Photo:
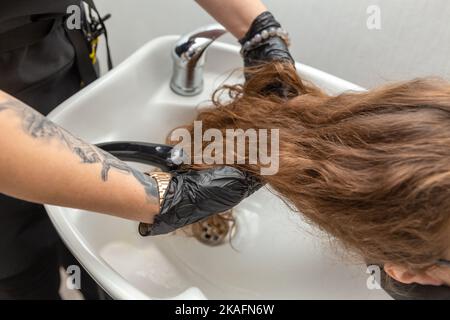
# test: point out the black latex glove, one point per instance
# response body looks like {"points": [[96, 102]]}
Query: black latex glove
{"points": [[195, 195], [268, 50], [190, 196], [273, 48]]}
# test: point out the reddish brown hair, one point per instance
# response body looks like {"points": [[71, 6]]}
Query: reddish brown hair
{"points": [[370, 168]]}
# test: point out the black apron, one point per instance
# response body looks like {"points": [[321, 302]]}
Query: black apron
{"points": [[42, 71]]}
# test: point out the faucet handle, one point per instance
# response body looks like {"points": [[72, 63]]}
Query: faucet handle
{"points": [[192, 45], [189, 60]]}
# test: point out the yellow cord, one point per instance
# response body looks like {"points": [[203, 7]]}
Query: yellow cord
{"points": [[93, 54]]}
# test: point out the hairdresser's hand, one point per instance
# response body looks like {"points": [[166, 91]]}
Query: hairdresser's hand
{"points": [[194, 195], [265, 41]]}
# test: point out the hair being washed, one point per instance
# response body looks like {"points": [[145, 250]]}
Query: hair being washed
{"points": [[370, 168]]}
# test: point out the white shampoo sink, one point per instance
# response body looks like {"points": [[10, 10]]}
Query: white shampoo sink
{"points": [[273, 255]]}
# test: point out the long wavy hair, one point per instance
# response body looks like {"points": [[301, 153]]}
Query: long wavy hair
{"points": [[371, 168]]}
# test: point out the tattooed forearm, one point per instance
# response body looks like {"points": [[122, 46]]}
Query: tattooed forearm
{"points": [[39, 127]]}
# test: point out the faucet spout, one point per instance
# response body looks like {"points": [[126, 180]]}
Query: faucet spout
{"points": [[189, 59]]}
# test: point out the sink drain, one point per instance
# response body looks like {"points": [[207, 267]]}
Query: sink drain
{"points": [[213, 231]]}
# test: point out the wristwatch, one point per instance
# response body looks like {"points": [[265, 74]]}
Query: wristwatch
{"points": [[162, 181]]}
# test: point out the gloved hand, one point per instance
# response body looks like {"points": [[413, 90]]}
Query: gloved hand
{"points": [[269, 42], [265, 42], [191, 195], [194, 195]]}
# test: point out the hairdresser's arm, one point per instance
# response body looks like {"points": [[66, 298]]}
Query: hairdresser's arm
{"points": [[41, 162], [262, 38], [235, 15]]}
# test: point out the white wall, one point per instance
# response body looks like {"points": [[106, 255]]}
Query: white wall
{"points": [[331, 35]]}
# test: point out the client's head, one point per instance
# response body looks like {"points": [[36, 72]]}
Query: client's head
{"points": [[371, 168]]}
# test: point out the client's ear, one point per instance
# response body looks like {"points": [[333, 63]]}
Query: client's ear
{"points": [[406, 276]]}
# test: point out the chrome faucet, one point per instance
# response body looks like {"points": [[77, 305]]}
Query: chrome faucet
{"points": [[189, 59]]}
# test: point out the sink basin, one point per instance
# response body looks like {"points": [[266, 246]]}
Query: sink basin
{"points": [[273, 254]]}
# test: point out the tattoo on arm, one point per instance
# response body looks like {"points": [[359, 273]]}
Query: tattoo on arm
{"points": [[39, 127]]}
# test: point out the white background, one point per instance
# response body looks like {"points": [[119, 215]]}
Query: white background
{"points": [[330, 35]]}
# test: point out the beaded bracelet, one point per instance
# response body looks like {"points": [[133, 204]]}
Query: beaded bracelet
{"points": [[264, 35]]}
